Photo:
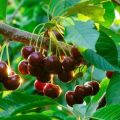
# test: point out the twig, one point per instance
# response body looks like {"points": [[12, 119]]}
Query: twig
{"points": [[24, 37]]}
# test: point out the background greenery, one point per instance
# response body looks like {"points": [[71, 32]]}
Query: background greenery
{"points": [[93, 25]]}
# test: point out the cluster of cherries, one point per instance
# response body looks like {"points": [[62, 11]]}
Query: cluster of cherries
{"points": [[11, 81], [81, 91], [44, 67]]}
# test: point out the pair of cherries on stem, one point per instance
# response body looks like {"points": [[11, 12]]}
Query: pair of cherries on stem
{"points": [[81, 91], [48, 89], [10, 81]]}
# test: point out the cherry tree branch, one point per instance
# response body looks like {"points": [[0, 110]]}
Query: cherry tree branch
{"points": [[24, 37]]}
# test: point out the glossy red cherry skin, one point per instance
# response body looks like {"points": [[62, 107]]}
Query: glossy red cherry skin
{"points": [[80, 93], [39, 86], [70, 98], [36, 59], [65, 76], [75, 53], [27, 50], [69, 64], [51, 90], [12, 83], [23, 67], [44, 76], [52, 64], [88, 90], [35, 70], [95, 86], [58, 35], [109, 74], [3, 71]]}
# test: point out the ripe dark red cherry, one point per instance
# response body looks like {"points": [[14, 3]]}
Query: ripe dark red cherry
{"points": [[52, 64], [88, 90], [70, 98], [23, 67], [12, 83], [36, 59], [39, 86], [27, 50], [65, 76], [35, 70], [58, 35], [75, 53], [3, 71], [44, 76], [68, 64], [79, 93], [51, 90], [95, 86], [109, 74]]}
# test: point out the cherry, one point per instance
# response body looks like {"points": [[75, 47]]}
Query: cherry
{"points": [[65, 76], [52, 64], [75, 53], [36, 59], [51, 90], [109, 74], [94, 85], [27, 50], [39, 86], [80, 93], [70, 98], [58, 35], [12, 83], [3, 71], [23, 67], [68, 64], [34, 70], [43, 76], [88, 90]]}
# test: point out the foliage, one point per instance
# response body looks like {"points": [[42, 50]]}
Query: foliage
{"points": [[93, 27]]}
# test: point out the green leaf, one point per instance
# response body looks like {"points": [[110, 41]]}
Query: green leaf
{"points": [[28, 117], [17, 102], [58, 7], [113, 91], [109, 15], [115, 37], [111, 112], [106, 47], [98, 61], [3, 6], [82, 34], [92, 11]]}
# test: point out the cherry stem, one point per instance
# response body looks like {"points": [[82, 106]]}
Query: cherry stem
{"points": [[7, 52], [34, 32], [52, 79], [2, 50], [92, 71], [50, 49], [39, 33]]}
